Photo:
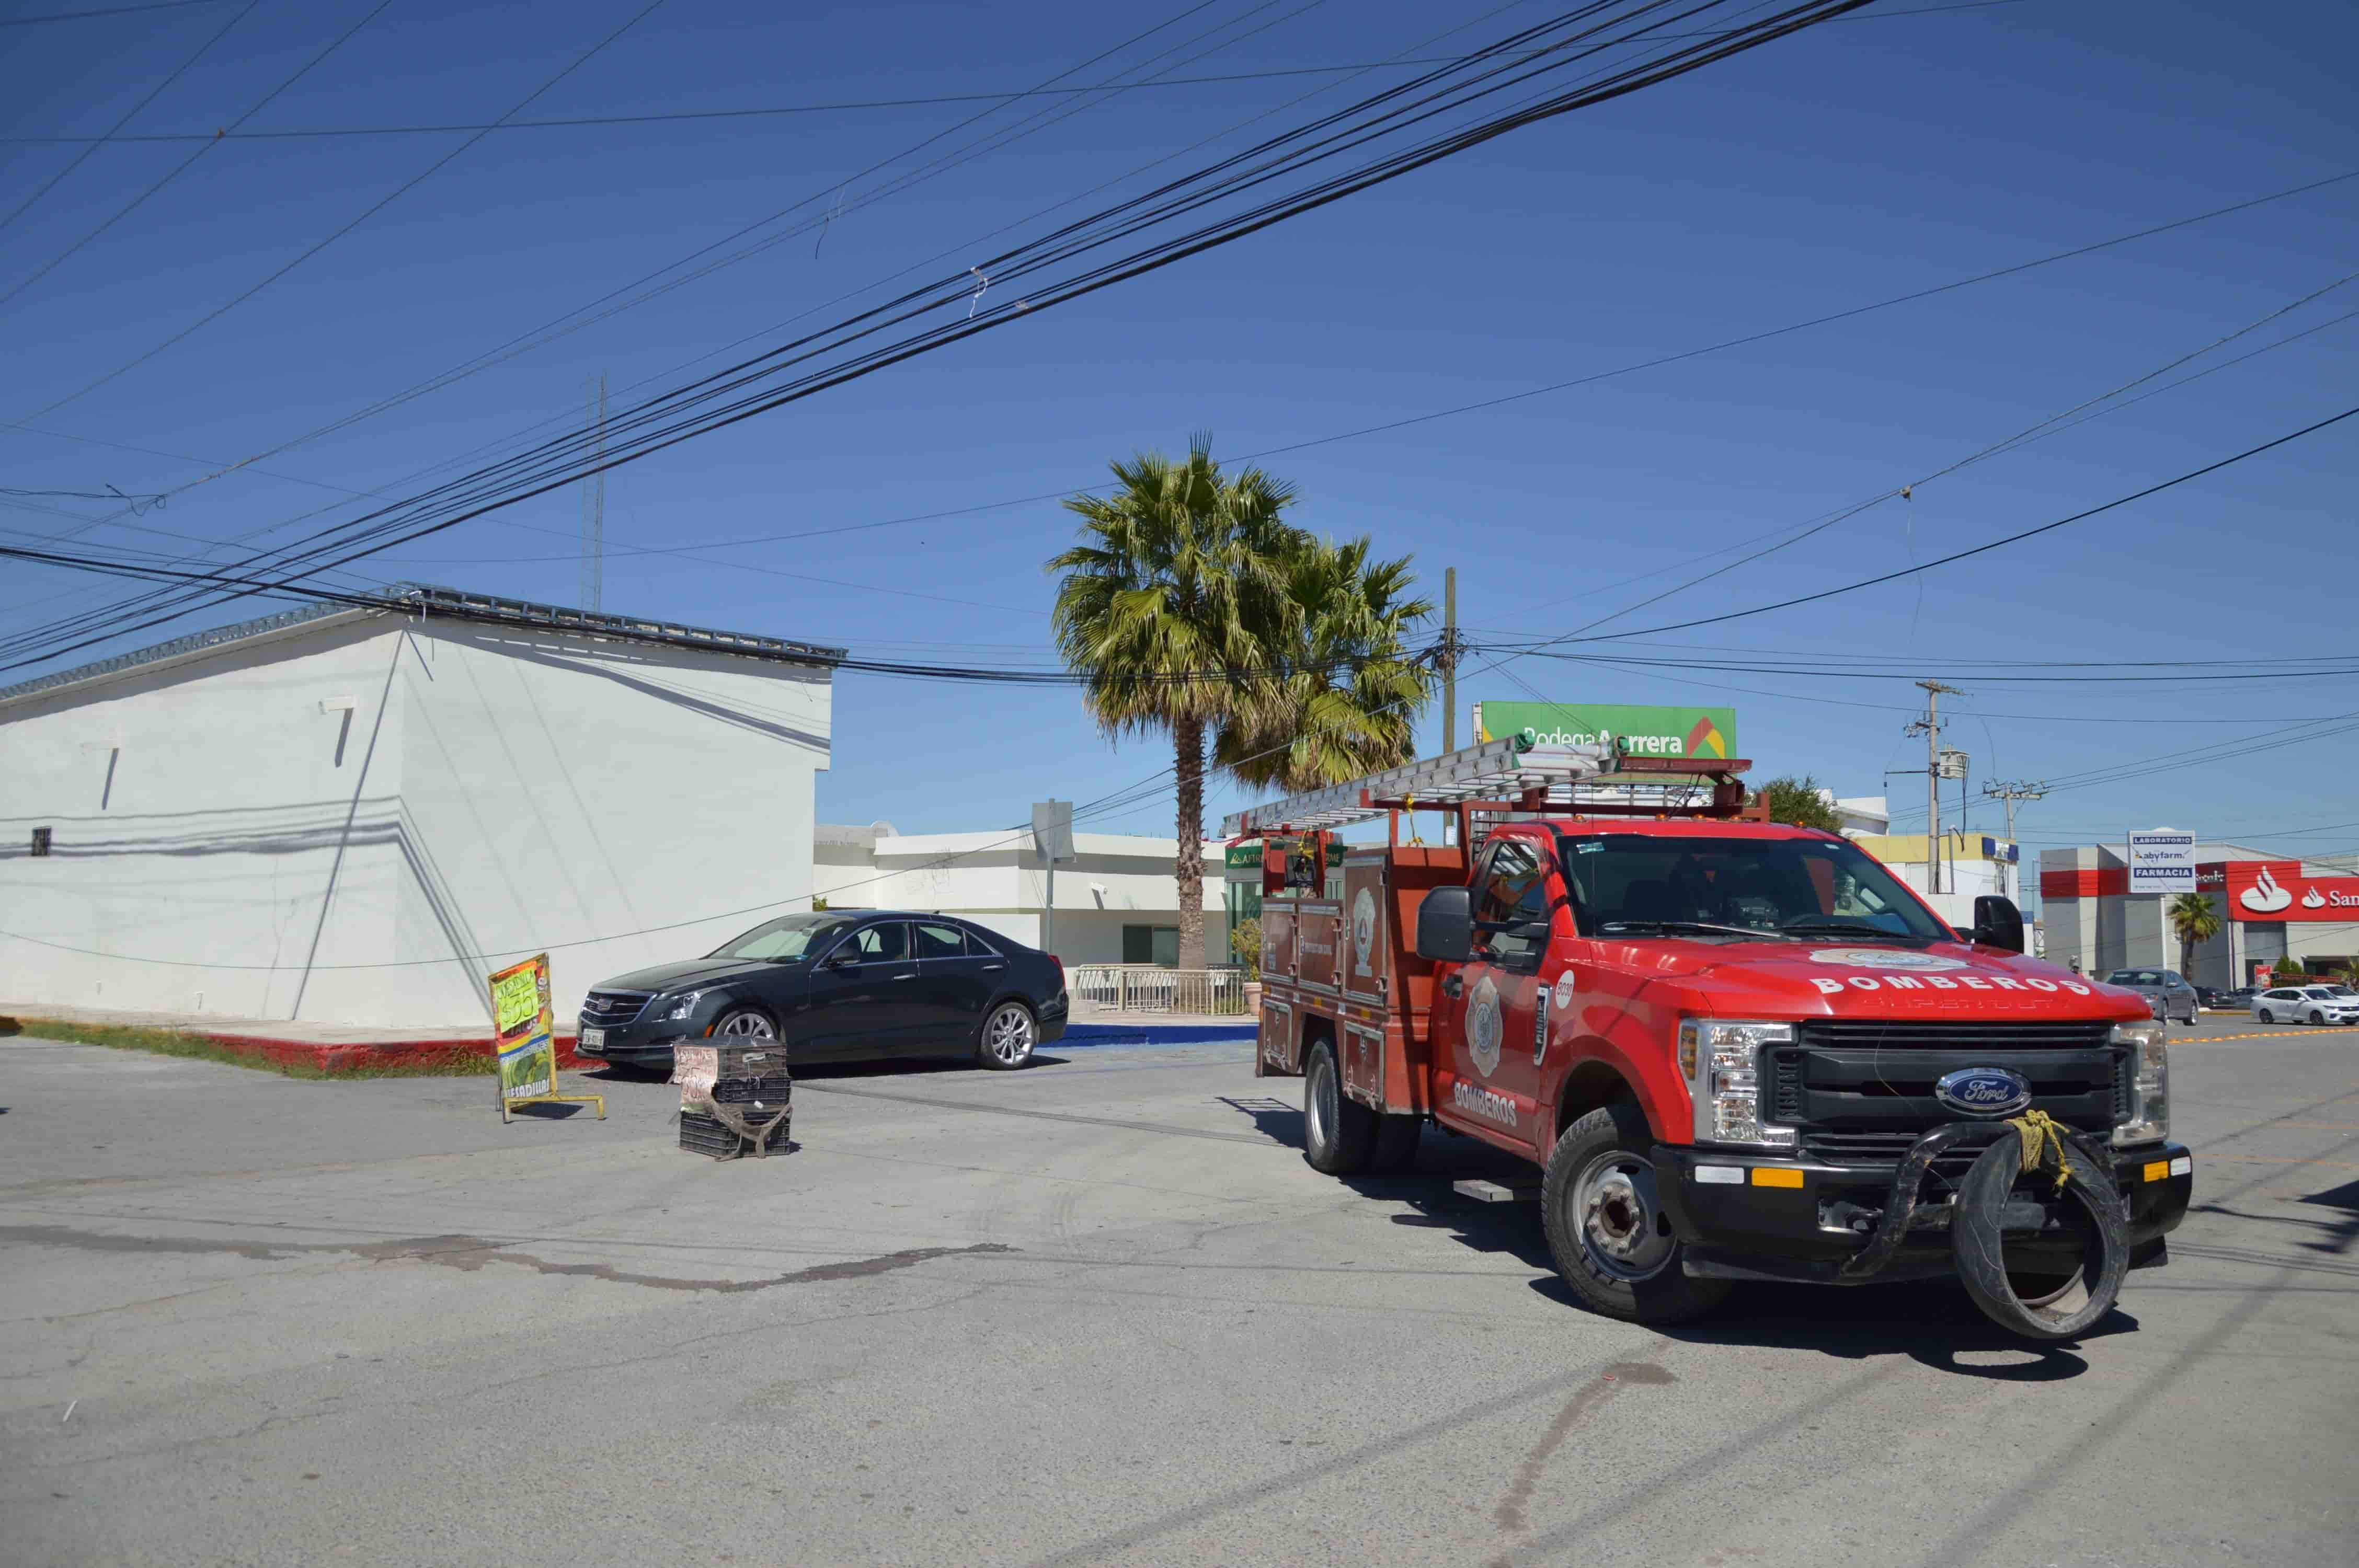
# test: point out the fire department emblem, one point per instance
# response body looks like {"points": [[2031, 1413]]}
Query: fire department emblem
{"points": [[1483, 1028], [1364, 929], [1885, 958]]}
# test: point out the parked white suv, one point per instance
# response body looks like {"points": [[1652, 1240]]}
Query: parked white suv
{"points": [[2305, 1004]]}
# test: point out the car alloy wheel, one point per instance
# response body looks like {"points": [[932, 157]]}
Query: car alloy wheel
{"points": [[1010, 1034], [2267, 1017], [746, 1025]]}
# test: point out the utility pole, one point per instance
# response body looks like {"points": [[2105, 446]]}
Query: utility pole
{"points": [[1448, 660], [1930, 726], [2009, 791], [594, 505]]}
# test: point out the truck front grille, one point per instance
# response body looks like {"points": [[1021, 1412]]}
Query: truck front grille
{"points": [[1860, 1091]]}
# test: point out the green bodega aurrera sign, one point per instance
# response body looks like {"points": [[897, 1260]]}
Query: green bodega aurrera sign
{"points": [[1637, 731]]}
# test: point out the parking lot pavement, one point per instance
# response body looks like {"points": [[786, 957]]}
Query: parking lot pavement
{"points": [[1099, 1311]]}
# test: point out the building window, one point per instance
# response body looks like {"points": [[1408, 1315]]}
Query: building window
{"points": [[41, 843], [1158, 945]]}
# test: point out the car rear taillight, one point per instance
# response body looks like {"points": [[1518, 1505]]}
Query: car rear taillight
{"points": [[1060, 970]]}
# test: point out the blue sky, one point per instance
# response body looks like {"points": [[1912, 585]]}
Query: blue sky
{"points": [[1861, 160]]}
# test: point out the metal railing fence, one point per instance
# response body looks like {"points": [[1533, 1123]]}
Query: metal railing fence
{"points": [[1147, 987]]}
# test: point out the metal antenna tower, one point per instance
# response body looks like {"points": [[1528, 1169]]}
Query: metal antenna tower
{"points": [[594, 505]]}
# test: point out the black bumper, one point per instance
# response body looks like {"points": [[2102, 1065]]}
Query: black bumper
{"points": [[1753, 1229]]}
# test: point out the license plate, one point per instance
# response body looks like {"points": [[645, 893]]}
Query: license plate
{"points": [[591, 1039]]}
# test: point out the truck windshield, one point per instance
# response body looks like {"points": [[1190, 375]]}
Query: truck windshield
{"points": [[1632, 883]]}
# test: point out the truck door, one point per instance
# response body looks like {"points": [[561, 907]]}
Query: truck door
{"points": [[1487, 1014]]}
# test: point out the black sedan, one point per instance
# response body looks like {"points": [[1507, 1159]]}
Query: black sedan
{"points": [[840, 988]]}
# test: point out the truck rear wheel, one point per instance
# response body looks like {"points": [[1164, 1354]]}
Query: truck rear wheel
{"points": [[1338, 1134], [1607, 1229]]}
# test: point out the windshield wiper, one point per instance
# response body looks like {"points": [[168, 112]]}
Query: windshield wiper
{"points": [[1854, 928], [1693, 926]]}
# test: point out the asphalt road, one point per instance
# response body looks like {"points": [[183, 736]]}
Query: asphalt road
{"points": [[1095, 1313]]}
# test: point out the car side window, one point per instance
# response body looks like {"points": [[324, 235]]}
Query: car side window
{"points": [[2171, 977], [881, 944], [940, 941], [1515, 897]]}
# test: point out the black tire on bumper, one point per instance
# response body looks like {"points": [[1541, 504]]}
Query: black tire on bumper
{"points": [[1799, 1227]]}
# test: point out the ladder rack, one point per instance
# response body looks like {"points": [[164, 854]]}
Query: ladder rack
{"points": [[1507, 774]]}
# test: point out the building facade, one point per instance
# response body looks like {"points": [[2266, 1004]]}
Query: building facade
{"points": [[1117, 901], [2269, 907], [353, 815]]}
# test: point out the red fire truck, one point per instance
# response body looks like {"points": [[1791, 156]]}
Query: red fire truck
{"points": [[1737, 1050]]}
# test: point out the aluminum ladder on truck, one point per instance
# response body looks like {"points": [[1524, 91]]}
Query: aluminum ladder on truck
{"points": [[1500, 777]]}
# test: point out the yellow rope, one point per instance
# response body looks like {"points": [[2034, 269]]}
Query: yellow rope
{"points": [[2043, 1141]]}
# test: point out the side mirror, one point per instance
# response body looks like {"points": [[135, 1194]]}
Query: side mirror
{"points": [[843, 957], [1445, 925], [1998, 924]]}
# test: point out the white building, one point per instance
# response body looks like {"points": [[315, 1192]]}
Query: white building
{"points": [[351, 816], [1116, 903], [2269, 908]]}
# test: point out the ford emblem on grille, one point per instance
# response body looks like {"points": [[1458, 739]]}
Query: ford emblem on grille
{"points": [[1983, 1091]]}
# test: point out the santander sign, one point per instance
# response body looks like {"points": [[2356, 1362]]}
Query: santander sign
{"points": [[2277, 890]]}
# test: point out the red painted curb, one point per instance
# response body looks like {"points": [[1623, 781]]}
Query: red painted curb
{"points": [[376, 1055]]}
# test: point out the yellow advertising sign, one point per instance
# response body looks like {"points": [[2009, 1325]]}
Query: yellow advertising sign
{"points": [[527, 1038]]}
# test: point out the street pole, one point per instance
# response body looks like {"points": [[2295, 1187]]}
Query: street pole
{"points": [[1932, 725], [1450, 660], [2008, 792]]}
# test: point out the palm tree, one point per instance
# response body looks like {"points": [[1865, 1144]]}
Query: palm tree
{"points": [[1167, 606], [1344, 691], [2195, 919]]}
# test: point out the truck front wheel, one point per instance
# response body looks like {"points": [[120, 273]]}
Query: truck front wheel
{"points": [[1607, 1226], [1338, 1134]]}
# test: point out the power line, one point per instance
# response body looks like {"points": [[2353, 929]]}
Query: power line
{"points": [[519, 345], [698, 408], [110, 11], [130, 115], [1011, 96], [1999, 543], [1982, 676], [380, 205], [189, 162], [1564, 385], [649, 288]]}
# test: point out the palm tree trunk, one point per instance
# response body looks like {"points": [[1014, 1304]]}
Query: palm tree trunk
{"points": [[1188, 743]]}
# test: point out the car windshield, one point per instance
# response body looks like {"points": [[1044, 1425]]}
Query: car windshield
{"points": [[789, 936], [2136, 978], [2317, 993], [1625, 882]]}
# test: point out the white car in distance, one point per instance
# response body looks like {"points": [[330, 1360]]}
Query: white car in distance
{"points": [[2305, 1004]]}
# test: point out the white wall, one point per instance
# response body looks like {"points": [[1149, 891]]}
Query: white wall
{"points": [[996, 880], [559, 791], [499, 792], [230, 818]]}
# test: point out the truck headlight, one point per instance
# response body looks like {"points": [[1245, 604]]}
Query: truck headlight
{"points": [[2150, 1104], [1721, 1060], [676, 1008]]}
